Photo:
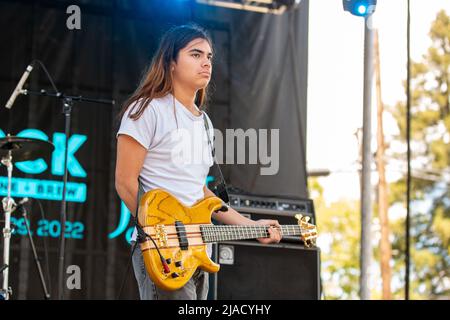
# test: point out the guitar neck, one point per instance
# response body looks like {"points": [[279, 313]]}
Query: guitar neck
{"points": [[214, 233]]}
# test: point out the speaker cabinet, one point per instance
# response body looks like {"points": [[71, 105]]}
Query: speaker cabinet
{"points": [[250, 270]]}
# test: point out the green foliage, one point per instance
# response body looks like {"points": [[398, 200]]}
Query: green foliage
{"points": [[339, 223], [339, 229], [430, 129]]}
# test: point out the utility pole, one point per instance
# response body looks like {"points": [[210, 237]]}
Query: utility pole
{"points": [[366, 188], [365, 8]]}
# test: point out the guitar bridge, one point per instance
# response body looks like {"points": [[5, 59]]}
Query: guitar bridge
{"points": [[308, 231]]}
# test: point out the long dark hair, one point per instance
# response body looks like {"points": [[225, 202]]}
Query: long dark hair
{"points": [[157, 80]]}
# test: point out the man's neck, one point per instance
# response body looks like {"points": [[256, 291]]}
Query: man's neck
{"points": [[186, 97]]}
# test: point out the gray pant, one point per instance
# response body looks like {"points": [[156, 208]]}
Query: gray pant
{"points": [[195, 289]]}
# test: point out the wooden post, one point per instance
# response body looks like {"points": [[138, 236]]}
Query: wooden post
{"points": [[385, 245]]}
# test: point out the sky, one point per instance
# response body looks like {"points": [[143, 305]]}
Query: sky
{"points": [[335, 81]]}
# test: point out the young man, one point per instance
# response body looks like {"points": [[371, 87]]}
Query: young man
{"points": [[164, 103]]}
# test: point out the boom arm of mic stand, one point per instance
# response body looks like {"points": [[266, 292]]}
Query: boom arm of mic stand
{"points": [[60, 95]]}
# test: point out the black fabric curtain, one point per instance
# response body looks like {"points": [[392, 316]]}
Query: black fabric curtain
{"points": [[268, 91]]}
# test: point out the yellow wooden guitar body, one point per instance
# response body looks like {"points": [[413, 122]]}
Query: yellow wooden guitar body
{"points": [[158, 211]]}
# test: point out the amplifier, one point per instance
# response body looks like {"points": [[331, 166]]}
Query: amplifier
{"points": [[272, 205], [251, 271]]}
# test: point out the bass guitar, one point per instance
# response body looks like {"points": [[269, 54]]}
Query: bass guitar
{"points": [[175, 240]]}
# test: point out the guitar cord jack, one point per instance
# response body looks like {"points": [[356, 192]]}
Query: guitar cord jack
{"points": [[163, 260], [141, 234]]}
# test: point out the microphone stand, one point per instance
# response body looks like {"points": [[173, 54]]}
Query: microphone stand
{"points": [[8, 204], [67, 105], [33, 248]]}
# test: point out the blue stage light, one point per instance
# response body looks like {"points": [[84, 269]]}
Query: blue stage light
{"points": [[361, 8]]}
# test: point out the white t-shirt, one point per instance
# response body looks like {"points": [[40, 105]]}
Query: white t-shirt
{"points": [[178, 159]]}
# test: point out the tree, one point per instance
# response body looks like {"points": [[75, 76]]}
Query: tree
{"points": [[430, 153], [339, 236]]}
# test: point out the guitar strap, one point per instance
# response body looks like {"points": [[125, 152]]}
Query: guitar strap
{"points": [[141, 236], [220, 189]]}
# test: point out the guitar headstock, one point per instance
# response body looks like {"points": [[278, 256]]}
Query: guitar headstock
{"points": [[308, 231]]}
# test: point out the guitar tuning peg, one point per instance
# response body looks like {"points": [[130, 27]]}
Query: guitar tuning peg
{"points": [[298, 216]]}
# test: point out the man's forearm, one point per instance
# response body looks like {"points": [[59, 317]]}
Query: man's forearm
{"points": [[228, 217], [128, 193], [232, 217]]}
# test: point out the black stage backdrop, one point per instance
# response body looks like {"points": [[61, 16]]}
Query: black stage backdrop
{"points": [[259, 81]]}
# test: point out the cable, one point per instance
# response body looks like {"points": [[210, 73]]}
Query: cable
{"points": [[47, 73], [141, 235], [127, 270], [408, 152], [41, 64]]}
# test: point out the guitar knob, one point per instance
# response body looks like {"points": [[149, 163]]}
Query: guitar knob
{"points": [[175, 275], [168, 261], [178, 264]]}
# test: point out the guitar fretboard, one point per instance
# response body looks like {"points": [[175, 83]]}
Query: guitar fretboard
{"points": [[213, 233]]}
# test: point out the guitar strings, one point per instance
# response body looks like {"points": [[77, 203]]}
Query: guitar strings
{"points": [[224, 231], [237, 228]]}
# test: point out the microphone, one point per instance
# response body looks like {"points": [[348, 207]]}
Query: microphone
{"points": [[19, 87], [20, 204], [23, 201]]}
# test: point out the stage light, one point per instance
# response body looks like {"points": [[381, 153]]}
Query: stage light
{"points": [[361, 8]]}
